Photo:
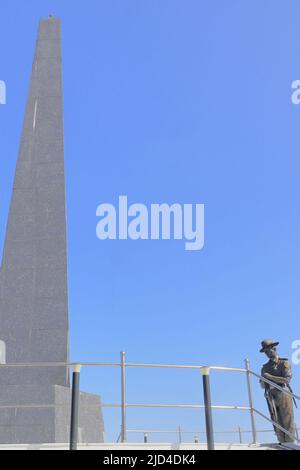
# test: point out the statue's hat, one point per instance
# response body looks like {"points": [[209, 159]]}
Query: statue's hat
{"points": [[267, 344]]}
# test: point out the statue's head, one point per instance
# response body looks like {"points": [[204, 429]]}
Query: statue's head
{"points": [[269, 347]]}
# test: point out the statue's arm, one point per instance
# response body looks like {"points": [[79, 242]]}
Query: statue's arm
{"points": [[277, 379], [281, 379], [261, 382]]}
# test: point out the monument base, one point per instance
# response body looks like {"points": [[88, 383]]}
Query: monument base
{"points": [[22, 424]]}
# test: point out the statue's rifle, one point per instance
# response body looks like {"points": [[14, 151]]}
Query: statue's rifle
{"points": [[271, 406], [291, 391]]}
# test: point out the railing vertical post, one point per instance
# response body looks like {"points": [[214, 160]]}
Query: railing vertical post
{"points": [[75, 407], [250, 397], [145, 437], [179, 435], [208, 411], [240, 435], [123, 397]]}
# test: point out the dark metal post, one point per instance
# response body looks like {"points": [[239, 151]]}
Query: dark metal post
{"points": [[75, 407], [145, 438], [123, 397], [250, 398], [208, 412]]}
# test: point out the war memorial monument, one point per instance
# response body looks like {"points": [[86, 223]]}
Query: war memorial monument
{"points": [[33, 276]]}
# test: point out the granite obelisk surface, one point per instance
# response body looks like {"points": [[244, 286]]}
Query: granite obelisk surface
{"points": [[33, 278]]}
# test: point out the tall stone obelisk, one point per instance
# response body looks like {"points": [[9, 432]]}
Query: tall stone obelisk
{"points": [[33, 277], [34, 298]]}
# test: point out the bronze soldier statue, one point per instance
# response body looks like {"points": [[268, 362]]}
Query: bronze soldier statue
{"points": [[278, 370]]}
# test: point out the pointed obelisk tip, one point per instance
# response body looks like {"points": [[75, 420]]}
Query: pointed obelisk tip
{"points": [[50, 20], [52, 17]]}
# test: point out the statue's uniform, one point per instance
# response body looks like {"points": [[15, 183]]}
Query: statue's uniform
{"points": [[283, 403]]}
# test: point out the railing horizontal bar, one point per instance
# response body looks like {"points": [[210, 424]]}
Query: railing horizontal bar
{"points": [[158, 405], [179, 366], [163, 366], [118, 364], [58, 405], [168, 431], [60, 364], [228, 369], [235, 431], [130, 405]]}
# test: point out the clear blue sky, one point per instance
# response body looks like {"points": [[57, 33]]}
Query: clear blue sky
{"points": [[183, 102]]}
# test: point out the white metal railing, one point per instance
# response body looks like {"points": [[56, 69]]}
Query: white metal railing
{"points": [[180, 432], [123, 365]]}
